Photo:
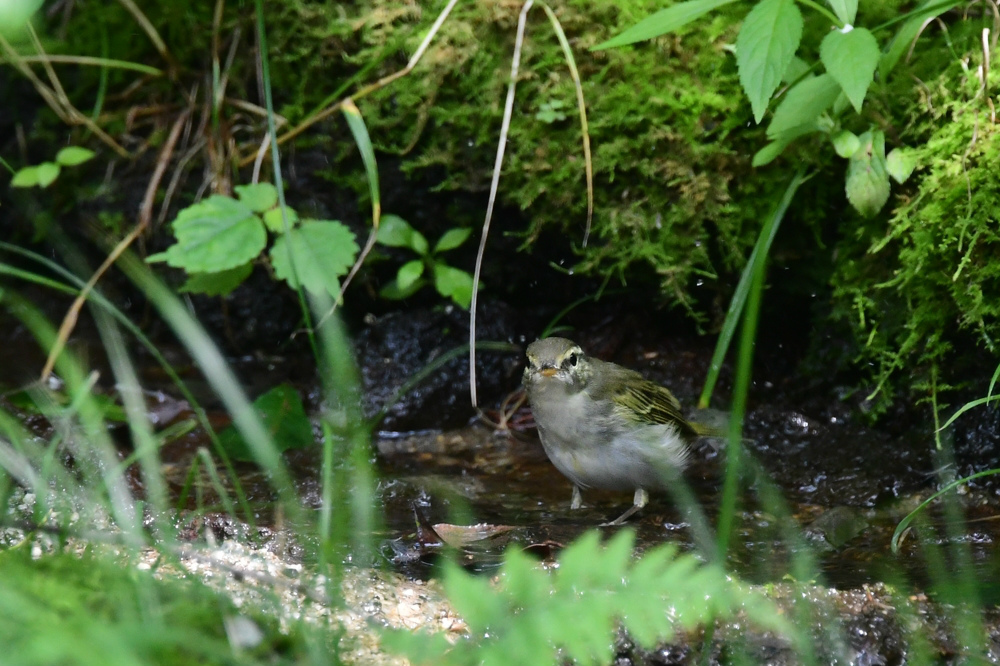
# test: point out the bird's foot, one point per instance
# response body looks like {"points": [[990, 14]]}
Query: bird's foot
{"points": [[639, 501]]}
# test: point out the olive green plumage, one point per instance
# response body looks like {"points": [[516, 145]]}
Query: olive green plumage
{"points": [[605, 426]]}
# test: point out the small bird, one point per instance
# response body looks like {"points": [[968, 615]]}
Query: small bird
{"points": [[605, 426]]}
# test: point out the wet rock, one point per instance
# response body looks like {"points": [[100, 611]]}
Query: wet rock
{"points": [[391, 349]]}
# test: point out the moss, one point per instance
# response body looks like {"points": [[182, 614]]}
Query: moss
{"points": [[927, 285]]}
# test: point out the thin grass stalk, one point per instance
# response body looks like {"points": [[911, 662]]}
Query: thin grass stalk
{"points": [[219, 375], [94, 453], [136, 332], [92, 61], [508, 111], [265, 70], [733, 314], [582, 109]]}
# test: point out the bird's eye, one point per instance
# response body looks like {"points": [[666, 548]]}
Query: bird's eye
{"points": [[572, 359]]}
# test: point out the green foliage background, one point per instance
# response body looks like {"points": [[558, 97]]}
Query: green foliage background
{"points": [[677, 204]]}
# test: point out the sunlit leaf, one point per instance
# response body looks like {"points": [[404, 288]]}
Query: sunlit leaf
{"points": [[803, 104], [394, 231], [73, 155], [274, 222], [846, 143], [765, 47], [25, 177], [47, 173], [409, 273], [851, 58], [454, 283], [322, 252], [662, 22], [900, 164], [216, 234], [258, 197], [452, 239]]}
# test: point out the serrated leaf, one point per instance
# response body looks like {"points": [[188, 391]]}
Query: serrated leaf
{"points": [[214, 284], [216, 234], [867, 183], [851, 58], [454, 283], [900, 164], [409, 273], [451, 239], [258, 197], [803, 104], [25, 177], [74, 155], [281, 411], [273, 220], [47, 173], [846, 10], [322, 251], [662, 22], [846, 143], [765, 47]]}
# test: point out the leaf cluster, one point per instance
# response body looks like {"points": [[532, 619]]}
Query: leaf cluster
{"points": [[449, 281], [44, 174], [219, 238], [534, 616]]}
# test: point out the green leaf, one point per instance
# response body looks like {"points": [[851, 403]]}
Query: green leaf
{"points": [[452, 239], [283, 416], [662, 22], [215, 284], [258, 197], [846, 143], [25, 177], [454, 283], [47, 173], [796, 68], [394, 292], [322, 250], [74, 155], [846, 10], [803, 105], [764, 49], [867, 184], [360, 133], [394, 231], [274, 223], [851, 58], [900, 164], [768, 153], [215, 235], [409, 273]]}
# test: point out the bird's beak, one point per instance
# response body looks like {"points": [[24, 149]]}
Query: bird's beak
{"points": [[547, 372]]}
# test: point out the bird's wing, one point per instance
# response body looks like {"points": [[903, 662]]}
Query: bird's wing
{"points": [[652, 404]]}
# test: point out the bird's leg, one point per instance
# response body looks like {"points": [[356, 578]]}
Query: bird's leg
{"points": [[639, 501], [577, 501]]}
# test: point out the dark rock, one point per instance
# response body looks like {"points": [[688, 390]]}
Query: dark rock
{"points": [[394, 347]]}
